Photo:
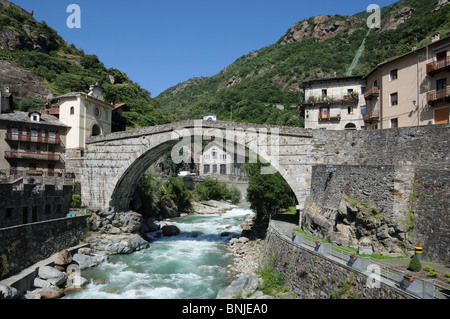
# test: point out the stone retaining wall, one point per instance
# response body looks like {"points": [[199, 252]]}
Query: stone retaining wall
{"points": [[23, 246], [310, 275]]}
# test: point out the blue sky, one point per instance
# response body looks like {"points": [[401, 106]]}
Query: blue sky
{"points": [[162, 43]]}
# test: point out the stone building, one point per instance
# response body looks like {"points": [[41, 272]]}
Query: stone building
{"points": [[334, 103], [32, 145], [411, 89]]}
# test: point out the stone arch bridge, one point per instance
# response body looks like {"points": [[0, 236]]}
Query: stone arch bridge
{"points": [[112, 164]]}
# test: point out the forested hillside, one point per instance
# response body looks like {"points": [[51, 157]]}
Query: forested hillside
{"points": [[250, 89], [263, 86], [62, 68]]}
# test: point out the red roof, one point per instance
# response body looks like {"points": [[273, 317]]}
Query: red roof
{"points": [[52, 111]]}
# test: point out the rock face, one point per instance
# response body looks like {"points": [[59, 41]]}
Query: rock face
{"points": [[356, 225], [118, 244], [168, 208], [22, 83], [110, 222], [7, 292], [396, 18], [321, 28]]}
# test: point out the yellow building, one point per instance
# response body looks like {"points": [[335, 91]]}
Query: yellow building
{"points": [[410, 90], [86, 114]]}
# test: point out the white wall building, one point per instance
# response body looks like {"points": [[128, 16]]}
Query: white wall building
{"points": [[216, 160], [87, 115], [334, 103]]}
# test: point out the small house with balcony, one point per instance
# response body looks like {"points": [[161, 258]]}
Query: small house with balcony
{"points": [[411, 89], [334, 103]]}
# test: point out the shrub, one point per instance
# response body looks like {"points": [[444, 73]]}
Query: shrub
{"points": [[414, 264], [211, 188], [76, 201], [178, 192]]}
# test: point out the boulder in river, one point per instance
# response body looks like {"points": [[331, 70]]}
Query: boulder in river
{"points": [[170, 230]]}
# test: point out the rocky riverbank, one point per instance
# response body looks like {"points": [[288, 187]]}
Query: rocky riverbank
{"points": [[63, 275]]}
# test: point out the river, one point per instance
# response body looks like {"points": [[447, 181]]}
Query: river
{"points": [[192, 265]]}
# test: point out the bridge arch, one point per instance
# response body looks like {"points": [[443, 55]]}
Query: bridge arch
{"points": [[115, 163]]}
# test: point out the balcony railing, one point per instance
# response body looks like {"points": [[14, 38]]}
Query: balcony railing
{"points": [[33, 138], [372, 116], [438, 96], [330, 117], [33, 156], [372, 92], [438, 65]]}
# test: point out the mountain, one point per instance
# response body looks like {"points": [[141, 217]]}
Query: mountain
{"points": [[257, 86], [263, 86], [38, 64]]}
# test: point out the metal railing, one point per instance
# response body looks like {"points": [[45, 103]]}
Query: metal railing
{"points": [[421, 288]]}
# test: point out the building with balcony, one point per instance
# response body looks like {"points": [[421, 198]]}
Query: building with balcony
{"points": [[334, 103], [411, 89], [32, 146]]}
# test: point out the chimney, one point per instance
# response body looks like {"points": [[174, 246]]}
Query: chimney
{"points": [[414, 47], [435, 37]]}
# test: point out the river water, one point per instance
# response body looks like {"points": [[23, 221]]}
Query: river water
{"points": [[192, 265]]}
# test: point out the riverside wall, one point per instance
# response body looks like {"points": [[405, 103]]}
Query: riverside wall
{"points": [[310, 275], [25, 245]]}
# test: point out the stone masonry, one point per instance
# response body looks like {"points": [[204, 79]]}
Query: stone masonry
{"points": [[383, 162]]}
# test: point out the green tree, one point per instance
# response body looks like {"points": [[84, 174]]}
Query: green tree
{"points": [[178, 192], [414, 264], [150, 190], [267, 195]]}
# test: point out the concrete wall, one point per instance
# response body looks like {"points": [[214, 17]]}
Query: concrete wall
{"points": [[23, 246]]}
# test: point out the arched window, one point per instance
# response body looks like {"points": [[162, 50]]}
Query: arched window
{"points": [[350, 126], [96, 131], [72, 110]]}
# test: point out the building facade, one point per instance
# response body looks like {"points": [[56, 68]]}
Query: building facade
{"points": [[217, 160], [334, 103], [33, 146], [86, 114], [410, 90]]}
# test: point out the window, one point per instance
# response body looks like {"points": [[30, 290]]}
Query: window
{"points": [[324, 92], [96, 130], [14, 130], [441, 56], [97, 112], [51, 134], [214, 169], [441, 84], [394, 99], [34, 132], [350, 110], [324, 113], [350, 91], [206, 169], [214, 154], [72, 110], [9, 212], [223, 169], [394, 123], [393, 75], [375, 83]]}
